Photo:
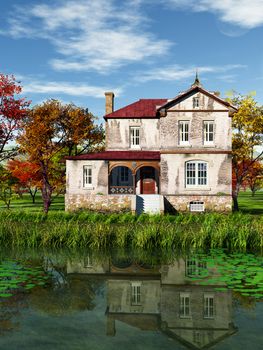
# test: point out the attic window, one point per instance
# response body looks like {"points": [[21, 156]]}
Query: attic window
{"points": [[196, 103]]}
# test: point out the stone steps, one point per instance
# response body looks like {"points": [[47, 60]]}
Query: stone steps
{"points": [[149, 203]]}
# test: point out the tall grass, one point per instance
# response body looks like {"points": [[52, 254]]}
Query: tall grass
{"points": [[97, 231]]}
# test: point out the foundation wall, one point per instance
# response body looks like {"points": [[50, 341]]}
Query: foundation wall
{"points": [[100, 203], [211, 203]]}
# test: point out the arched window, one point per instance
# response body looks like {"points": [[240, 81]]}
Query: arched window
{"points": [[196, 173]]}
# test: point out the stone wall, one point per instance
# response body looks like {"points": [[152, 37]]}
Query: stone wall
{"points": [[99, 203], [220, 203]]}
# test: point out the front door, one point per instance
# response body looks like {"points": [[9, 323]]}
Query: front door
{"points": [[148, 181]]}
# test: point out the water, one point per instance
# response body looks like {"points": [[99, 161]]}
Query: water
{"points": [[67, 300]]}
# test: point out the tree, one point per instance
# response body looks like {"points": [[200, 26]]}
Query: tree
{"points": [[52, 130], [254, 178], [247, 135], [12, 112], [27, 175], [7, 181]]}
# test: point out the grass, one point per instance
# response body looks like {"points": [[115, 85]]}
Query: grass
{"points": [[25, 225], [99, 231], [249, 204], [25, 203]]}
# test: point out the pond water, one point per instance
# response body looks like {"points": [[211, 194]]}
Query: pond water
{"points": [[63, 300]]}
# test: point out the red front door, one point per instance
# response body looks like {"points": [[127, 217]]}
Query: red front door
{"points": [[147, 181]]}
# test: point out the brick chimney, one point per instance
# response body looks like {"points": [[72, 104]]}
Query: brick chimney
{"points": [[109, 102]]}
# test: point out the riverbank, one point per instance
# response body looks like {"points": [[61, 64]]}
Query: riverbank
{"points": [[83, 229]]}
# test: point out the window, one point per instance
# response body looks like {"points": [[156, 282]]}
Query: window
{"points": [[87, 262], [136, 293], [196, 173], [196, 206], [208, 306], [124, 174], [208, 132], [185, 305], [135, 137], [194, 267], [196, 103], [87, 176], [183, 132]]}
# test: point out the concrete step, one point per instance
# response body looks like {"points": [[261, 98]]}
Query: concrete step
{"points": [[151, 204]]}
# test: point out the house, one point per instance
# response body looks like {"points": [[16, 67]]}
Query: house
{"points": [[162, 298], [161, 154]]}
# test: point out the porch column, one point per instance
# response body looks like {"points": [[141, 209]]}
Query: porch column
{"points": [[134, 182]]}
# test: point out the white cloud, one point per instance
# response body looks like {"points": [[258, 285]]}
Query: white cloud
{"points": [[243, 13], [66, 88], [179, 72], [97, 35]]}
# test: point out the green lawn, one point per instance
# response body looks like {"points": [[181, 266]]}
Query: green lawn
{"points": [[247, 203], [25, 203]]}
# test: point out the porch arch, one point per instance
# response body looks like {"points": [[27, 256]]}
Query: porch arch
{"points": [[121, 180]]}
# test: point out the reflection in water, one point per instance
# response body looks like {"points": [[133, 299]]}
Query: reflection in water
{"points": [[164, 298], [173, 302]]}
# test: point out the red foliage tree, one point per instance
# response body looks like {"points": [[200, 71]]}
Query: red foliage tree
{"points": [[12, 111], [27, 174], [252, 179]]}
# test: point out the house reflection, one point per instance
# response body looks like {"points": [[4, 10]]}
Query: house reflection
{"points": [[165, 298]]}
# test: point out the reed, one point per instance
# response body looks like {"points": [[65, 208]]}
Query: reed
{"points": [[103, 231]]}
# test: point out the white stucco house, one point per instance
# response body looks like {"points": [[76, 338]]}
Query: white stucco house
{"points": [[161, 155]]}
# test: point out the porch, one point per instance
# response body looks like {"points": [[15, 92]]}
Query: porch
{"points": [[134, 177]]}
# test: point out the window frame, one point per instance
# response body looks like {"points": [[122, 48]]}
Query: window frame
{"points": [[183, 132], [195, 99], [134, 138], [207, 307], [195, 177], [87, 184], [207, 132], [136, 293], [124, 175], [182, 305]]}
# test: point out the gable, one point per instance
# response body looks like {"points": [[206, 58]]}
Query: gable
{"points": [[208, 101], [205, 103]]}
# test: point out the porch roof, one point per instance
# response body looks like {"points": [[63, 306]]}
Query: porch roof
{"points": [[118, 155]]}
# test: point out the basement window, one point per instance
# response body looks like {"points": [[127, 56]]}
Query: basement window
{"points": [[197, 206]]}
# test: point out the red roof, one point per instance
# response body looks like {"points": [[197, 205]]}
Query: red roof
{"points": [[144, 108], [118, 155]]}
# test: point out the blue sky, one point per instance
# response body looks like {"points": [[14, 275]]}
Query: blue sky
{"points": [[76, 50]]}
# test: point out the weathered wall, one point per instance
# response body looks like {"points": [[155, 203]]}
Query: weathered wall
{"points": [[180, 203], [173, 174], [102, 203], [74, 177], [118, 133], [119, 298], [169, 125]]}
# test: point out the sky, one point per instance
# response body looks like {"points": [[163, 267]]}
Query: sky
{"points": [[75, 50]]}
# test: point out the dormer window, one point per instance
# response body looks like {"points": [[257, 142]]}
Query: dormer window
{"points": [[196, 102], [135, 137]]}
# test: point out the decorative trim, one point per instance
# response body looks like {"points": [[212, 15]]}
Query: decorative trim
{"points": [[196, 151], [198, 110], [196, 195]]}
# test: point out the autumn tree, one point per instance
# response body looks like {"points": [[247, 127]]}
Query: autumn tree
{"points": [[7, 182], [12, 112], [254, 178], [27, 175], [52, 129], [247, 137]]}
